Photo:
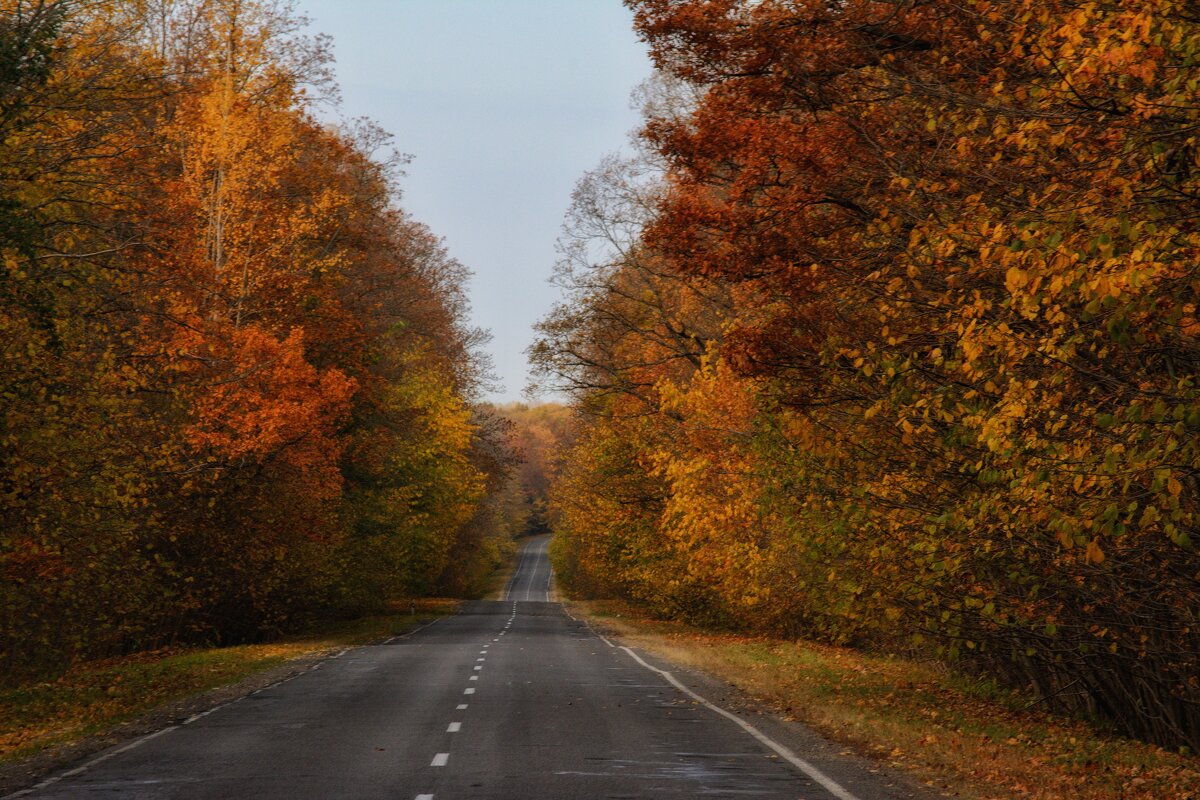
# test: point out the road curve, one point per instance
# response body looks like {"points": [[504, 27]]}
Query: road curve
{"points": [[508, 700], [531, 579]]}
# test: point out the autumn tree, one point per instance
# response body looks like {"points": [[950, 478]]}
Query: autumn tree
{"points": [[954, 353], [536, 436], [238, 387]]}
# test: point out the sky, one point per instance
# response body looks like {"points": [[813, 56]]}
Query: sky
{"points": [[504, 105]]}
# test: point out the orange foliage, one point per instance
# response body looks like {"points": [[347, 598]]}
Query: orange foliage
{"points": [[208, 304], [944, 258], [270, 401]]}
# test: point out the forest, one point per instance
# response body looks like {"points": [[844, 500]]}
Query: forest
{"points": [[887, 336], [238, 388], [884, 335]]}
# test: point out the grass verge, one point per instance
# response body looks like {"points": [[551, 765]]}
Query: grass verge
{"points": [[966, 737], [96, 697], [498, 581]]}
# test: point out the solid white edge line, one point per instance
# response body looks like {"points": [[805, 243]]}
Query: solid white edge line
{"points": [[828, 783], [529, 591], [589, 626], [100, 759], [415, 630], [95, 761], [516, 573]]}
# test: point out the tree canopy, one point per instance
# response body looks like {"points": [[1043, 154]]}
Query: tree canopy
{"points": [[237, 388], [899, 346]]}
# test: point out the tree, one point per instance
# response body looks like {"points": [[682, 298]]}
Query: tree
{"points": [[950, 246], [234, 370]]}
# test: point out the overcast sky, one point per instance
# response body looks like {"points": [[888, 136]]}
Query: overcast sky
{"points": [[504, 104]]}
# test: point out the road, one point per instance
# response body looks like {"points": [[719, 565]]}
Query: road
{"points": [[531, 579], [508, 700]]}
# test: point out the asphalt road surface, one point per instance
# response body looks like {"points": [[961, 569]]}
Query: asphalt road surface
{"points": [[531, 579], [509, 700]]}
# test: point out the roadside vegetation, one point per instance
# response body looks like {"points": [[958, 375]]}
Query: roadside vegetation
{"points": [[238, 390], [538, 435], [94, 698], [888, 336]]}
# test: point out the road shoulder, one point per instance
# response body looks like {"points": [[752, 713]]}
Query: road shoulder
{"points": [[913, 725], [45, 745], [853, 770]]}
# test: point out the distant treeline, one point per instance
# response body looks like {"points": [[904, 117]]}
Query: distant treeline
{"points": [[236, 383], [538, 435], [890, 337]]}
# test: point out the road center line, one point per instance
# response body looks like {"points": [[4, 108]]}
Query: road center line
{"points": [[512, 581], [830, 785]]}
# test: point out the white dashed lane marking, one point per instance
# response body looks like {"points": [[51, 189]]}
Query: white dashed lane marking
{"points": [[440, 760]]}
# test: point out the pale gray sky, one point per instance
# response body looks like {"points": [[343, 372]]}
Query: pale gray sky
{"points": [[504, 104]]}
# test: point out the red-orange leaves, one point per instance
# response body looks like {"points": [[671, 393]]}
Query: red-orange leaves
{"points": [[258, 398], [954, 247], [208, 300]]}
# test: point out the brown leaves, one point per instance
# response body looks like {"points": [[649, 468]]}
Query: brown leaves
{"points": [[959, 284], [212, 302]]}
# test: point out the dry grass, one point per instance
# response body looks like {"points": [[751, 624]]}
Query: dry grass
{"points": [[966, 737], [498, 582], [97, 696]]}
